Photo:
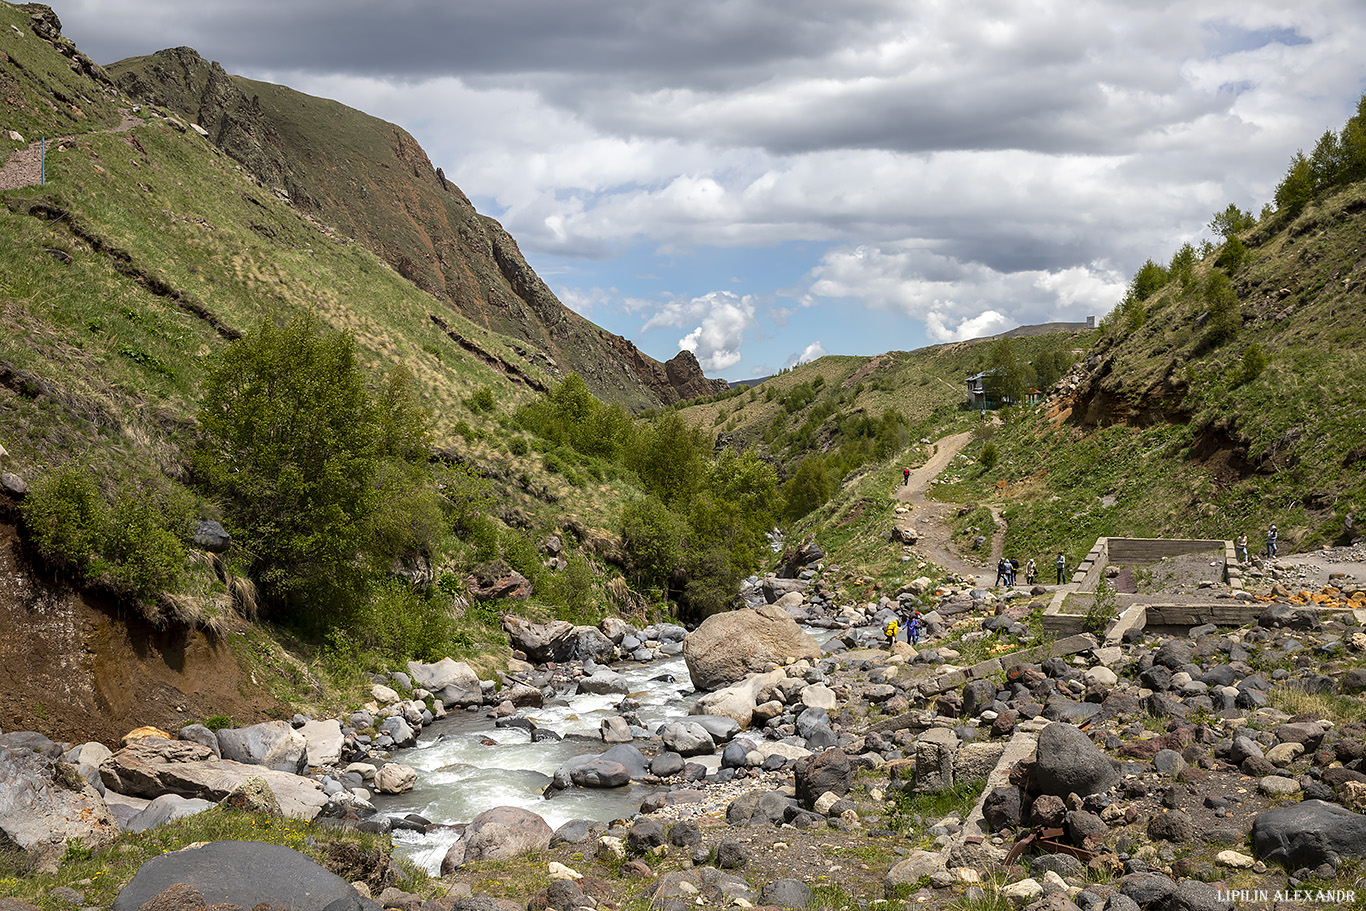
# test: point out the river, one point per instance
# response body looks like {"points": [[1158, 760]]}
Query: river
{"points": [[465, 764]]}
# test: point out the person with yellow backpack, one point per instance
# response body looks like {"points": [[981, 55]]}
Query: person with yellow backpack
{"points": [[890, 630]]}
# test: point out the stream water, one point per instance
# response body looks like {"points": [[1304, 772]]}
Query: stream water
{"points": [[465, 764]]}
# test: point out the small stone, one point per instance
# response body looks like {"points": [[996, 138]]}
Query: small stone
{"points": [[1278, 786]]}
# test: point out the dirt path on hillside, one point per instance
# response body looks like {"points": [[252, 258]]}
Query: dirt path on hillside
{"points": [[25, 166], [931, 519]]}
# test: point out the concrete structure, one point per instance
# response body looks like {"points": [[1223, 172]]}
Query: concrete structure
{"points": [[1226, 606]]}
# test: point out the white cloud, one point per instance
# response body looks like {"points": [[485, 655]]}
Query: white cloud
{"points": [[979, 326], [811, 352], [971, 167], [953, 297], [722, 320]]}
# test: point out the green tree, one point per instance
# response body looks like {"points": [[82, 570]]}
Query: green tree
{"points": [[1296, 189], [1148, 280], [653, 537], [293, 442], [808, 488], [1224, 317], [1006, 373], [1182, 266], [1231, 255], [670, 456], [1231, 221], [1050, 365], [1328, 162]]}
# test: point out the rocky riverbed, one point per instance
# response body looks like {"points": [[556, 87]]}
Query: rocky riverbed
{"points": [[1207, 770]]}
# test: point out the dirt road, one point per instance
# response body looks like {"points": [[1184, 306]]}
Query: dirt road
{"points": [[931, 519]]}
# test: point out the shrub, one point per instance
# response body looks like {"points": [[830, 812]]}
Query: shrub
{"points": [[1231, 221], [1224, 317], [481, 401], [1231, 255], [293, 441], [1255, 360], [810, 487], [65, 515], [990, 456], [135, 545], [1103, 609], [652, 536]]}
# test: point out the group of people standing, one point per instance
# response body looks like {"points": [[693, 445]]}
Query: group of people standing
{"points": [[914, 625], [1007, 570], [1240, 545]]}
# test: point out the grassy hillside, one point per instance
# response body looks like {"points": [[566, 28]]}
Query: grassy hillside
{"points": [[150, 251], [370, 180]]}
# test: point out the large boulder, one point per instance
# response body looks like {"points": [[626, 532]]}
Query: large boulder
{"points": [[829, 770], [151, 767], [728, 647], [324, 741], [557, 640], [738, 701], [273, 744], [600, 773], [242, 873], [1068, 762], [496, 581], [44, 802], [498, 834], [1308, 834], [451, 681], [687, 738], [164, 809], [603, 682]]}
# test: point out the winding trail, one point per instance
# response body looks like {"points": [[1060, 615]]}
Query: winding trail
{"points": [[931, 519], [25, 166]]}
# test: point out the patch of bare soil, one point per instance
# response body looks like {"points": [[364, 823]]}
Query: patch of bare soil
{"points": [[1180, 575], [76, 669]]}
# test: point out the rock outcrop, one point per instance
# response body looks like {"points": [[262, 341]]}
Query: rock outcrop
{"points": [[44, 802], [152, 767], [730, 646]]}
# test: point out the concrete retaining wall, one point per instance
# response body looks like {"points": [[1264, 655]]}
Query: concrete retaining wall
{"points": [[1140, 551]]}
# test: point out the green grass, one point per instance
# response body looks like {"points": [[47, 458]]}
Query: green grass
{"points": [[100, 874], [934, 806]]}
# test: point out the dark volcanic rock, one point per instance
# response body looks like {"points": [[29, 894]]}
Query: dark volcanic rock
{"points": [[1308, 834], [1068, 762], [826, 771], [1003, 808], [242, 873]]}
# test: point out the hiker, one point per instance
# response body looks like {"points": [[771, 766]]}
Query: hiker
{"points": [[905, 477], [1061, 563], [1014, 572], [1031, 572], [1240, 547], [913, 628], [1002, 571], [1271, 542], [890, 630]]}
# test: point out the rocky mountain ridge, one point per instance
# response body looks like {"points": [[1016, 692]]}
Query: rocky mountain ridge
{"points": [[371, 181]]}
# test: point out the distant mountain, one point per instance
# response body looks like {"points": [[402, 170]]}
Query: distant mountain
{"points": [[370, 180]]}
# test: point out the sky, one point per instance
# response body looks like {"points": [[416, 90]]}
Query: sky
{"points": [[766, 181]]}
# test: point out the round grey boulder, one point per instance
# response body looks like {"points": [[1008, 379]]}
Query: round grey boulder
{"points": [[242, 873], [1068, 762]]}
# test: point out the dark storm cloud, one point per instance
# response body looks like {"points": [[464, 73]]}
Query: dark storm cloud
{"points": [[644, 43]]}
